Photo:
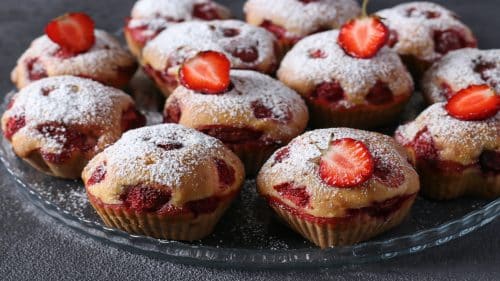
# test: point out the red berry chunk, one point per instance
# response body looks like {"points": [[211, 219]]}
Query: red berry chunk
{"points": [[317, 54], [248, 54], [170, 146], [329, 92], [485, 69], [14, 124], [446, 90], [36, 70], [172, 113], [145, 198], [229, 134], [477, 102], [207, 72], [282, 154], [203, 206], [490, 161], [206, 11], [346, 163], [424, 147], [380, 94], [363, 37], [230, 32], [98, 175], [298, 195], [449, 40], [226, 173], [74, 32], [393, 38]]}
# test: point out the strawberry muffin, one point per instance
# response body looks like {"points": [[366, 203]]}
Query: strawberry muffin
{"points": [[339, 186], [347, 78], [456, 145], [58, 124], [165, 181], [291, 20], [150, 17], [423, 32], [459, 69], [251, 113], [71, 46], [246, 46]]}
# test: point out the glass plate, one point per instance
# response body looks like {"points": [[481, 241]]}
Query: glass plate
{"points": [[249, 234]]}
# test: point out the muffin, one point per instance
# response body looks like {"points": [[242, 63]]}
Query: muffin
{"points": [[89, 53], [255, 116], [150, 17], [343, 90], [246, 46], [339, 186], [459, 69], [423, 32], [58, 124], [291, 20], [454, 156], [149, 182]]}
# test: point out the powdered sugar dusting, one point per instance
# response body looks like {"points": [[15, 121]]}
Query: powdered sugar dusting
{"points": [[455, 140], [187, 38], [457, 70], [70, 101], [175, 10], [299, 18], [236, 105], [356, 76], [415, 32], [138, 153]]}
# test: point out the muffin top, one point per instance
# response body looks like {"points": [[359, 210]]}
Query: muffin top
{"points": [[45, 58], [301, 18], [254, 102], [177, 11], [43, 114], [459, 69], [319, 59], [425, 30], [167, 157], [298, 165], [452, 139]]}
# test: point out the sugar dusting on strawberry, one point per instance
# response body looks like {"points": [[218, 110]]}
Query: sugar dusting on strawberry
{"points": [[346, 163], [474, 103], [207, 72], [363, 37], [74, 32]]}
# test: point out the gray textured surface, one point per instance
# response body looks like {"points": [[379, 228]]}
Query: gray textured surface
{"points": [[35, 247]]}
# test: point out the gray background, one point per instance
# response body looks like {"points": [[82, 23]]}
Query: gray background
{"points": [[33, 246]]}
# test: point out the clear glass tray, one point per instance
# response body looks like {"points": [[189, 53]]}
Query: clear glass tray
{"points": [[249, 234]]}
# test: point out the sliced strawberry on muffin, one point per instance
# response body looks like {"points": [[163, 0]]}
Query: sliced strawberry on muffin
{"points": [[207, 72], [74, 32], [476, 102]]}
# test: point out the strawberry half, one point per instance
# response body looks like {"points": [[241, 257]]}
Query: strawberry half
{"points": [[474, 103], [74, 32], [346, 163], [363, 37], [207, 72]]}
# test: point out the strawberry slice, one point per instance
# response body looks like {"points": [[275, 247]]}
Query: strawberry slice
{"points": [[207, 72], [474, 103], [363, 37], [73, 32], [346, 163]]}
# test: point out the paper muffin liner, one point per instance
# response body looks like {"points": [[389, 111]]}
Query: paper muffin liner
{"points": [[359, 117], [346, 231], [179, 227], [253, 157], [439, 185]]}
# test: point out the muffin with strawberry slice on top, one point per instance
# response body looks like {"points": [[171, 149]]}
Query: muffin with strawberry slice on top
{"points": [[72, 46], [251, 113], [455, 146], [348, 77], [150, 17], [339, 186]]}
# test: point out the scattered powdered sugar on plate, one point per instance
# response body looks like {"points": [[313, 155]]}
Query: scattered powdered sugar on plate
{"points": [[356, 76], [415, 29], [300, 18], [195, 36], [67, 100], [457, 70]]}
